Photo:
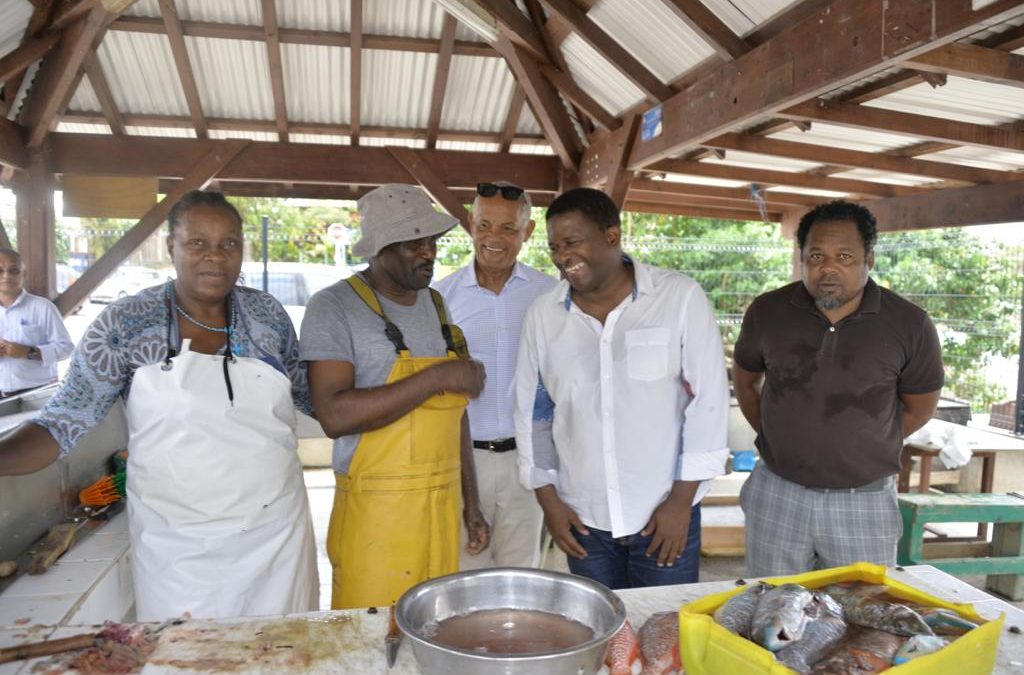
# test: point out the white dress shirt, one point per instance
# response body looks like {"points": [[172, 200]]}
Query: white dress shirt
{"points": [[625, 423], [491, 323], [32, 321]]}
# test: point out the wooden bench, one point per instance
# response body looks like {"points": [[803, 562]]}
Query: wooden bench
{"points": [[1004, 564]]}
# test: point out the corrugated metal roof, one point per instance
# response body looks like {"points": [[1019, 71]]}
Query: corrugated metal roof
{"points": [[150, 8], [140, 71], [265, 136], [809, 191], [702, 180], [529, 149], [467, 146], [233, 78], [323, 139], [755, 161], [246, 12], [407, 18], [316, 83], [161, 132], [743, 16], [75, 128], [528, 124], [983, 158], [14, 18], [959, 99], [653, 34], [85, 98], [885, 177], [596, 76], [835, 136], [332, 16], [478, 94], [380, 142], [396, 88]]}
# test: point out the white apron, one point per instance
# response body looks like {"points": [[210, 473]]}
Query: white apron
{"points": [[217, 508]]}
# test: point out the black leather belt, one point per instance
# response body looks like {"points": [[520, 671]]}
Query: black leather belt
{"points": [[500, 445], [879, 485]]}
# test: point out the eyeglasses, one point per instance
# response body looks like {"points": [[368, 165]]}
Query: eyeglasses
{"points": [[10, 271], [509, 192]]}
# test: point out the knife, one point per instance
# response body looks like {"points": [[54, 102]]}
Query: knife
{"points": [[393, 639]]}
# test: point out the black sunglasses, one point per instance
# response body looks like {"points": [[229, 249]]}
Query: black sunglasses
{"points": [[509, 192]]}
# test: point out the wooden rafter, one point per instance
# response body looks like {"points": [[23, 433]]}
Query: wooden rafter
{"points": [[515, 111], [355, 90], [36, 234], [619, 177], [36, 23], [270, 33], [615, 53], [700, 211], [975, 205], [94, 71], [978, 63], [817, 55], [172, 26], [12, 145], [517, 27], [218, 155], [422, 172], [320, 191], [558, 63], [26, 54], [564, 83], [709, 27], [444, 65], [299, 36], [776, 199]]}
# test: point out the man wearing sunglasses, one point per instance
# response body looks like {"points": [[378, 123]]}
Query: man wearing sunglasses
{"points": [[487, 299]]}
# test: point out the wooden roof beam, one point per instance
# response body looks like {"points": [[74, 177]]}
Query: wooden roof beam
{"points": [[444, 65], [515, 111], [270, 32], [517, 27], [355, 91], [611, 50], [176, 38], [709, 27], [564, 83], [846, 42], [775, 198], [36, 24], [27, 53], [956, 207], [976, 63], [94, 71], [12, 145], [422, 172], [558, 63], [699, 211]]}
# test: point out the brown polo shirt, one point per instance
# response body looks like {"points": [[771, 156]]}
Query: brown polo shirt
{"points": [[831, 416]]}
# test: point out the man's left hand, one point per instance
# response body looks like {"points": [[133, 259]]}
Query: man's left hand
{"points": [[13, 349], [670, 523], [478, 530]]}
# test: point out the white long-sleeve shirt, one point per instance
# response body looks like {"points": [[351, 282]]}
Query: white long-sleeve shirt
{"points": [[639, 402], [32, 321]]}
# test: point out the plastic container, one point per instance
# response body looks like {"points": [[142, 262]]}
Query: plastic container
{"points": [[708, 649]]}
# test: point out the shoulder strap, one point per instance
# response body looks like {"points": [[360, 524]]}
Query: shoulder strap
{"points": [[453, 336], [366, 294]]}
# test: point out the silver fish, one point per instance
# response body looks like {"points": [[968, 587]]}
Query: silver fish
{"points": [[945, 621], [780, 617], [919, 645], [863, 651], [738, 612], [825, 628], [869, 612]]}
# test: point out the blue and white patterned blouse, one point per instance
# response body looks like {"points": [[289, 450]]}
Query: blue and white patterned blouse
{"points": [[132, 333]]}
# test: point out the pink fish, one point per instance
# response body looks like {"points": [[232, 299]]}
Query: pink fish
{"points": [[622, 651], [659, 644]]}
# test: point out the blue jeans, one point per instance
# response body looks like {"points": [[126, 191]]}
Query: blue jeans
{"points": [[622, 562]]}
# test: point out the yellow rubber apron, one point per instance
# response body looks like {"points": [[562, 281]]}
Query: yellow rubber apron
{"points": [[396, 514]]}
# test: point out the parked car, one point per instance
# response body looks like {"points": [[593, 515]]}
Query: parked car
{"points": [[293, 284], [127, 280]]}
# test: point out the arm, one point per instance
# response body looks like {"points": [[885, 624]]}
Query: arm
{"points": [[58, 345], [342, 409], [476, 525], [748, 377], [26, 449], [917, 410], [748, 393]]}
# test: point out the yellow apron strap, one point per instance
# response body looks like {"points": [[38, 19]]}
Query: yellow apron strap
{"points": [[453, 336], [366, 294]]}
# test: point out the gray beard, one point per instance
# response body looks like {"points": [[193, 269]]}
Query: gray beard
{"points": [[828, 302]]}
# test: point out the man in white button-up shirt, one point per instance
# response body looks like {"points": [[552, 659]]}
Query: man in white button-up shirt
{"points": [[487, 299], [632, 359], [32, 335]]}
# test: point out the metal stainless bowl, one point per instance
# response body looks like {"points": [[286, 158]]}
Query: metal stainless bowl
{"points": [[574, 597]]}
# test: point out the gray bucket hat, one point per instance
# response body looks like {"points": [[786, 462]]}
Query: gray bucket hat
{"points": [[394, 213]]}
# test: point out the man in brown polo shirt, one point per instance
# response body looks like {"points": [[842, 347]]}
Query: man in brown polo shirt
{"points": [[833, 372]]}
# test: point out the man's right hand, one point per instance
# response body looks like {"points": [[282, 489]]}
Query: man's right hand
{"points": [[460, 376], [560, 521]]}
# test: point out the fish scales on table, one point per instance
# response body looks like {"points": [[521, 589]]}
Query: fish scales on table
{"points": [[825, 628], [622, 650], [780, 619], [737, 613], [867, 611], [863, 651], [659, 644]]}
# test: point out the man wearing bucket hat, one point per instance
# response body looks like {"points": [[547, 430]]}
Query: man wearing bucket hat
{"points": [[389, 380]]}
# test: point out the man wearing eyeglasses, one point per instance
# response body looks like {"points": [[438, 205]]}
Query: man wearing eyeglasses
{"points": [[32, 335], [488, 299]]}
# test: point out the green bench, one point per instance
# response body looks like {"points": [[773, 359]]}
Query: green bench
{"points": [[1004, 566]]}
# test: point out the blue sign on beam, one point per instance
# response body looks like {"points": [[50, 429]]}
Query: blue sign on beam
{"points": [[650, 127]]}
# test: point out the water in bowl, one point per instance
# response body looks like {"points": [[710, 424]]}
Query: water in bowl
{"points": [[509, 631]]}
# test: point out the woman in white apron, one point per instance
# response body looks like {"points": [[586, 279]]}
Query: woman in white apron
{"points": [[209, 371]]}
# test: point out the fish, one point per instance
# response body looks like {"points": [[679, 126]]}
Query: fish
{"points": [[825, 628], [919, 645], [622, 651], [780, 617], [738, 611], [659, 644], [944, 621], [862, 652], [868, 612]]}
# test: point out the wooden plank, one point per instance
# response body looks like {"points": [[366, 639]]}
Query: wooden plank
{"points": [[36, 234], [721, 500], [36, 24], [1008, 540], [557, 60], [95, 155], [444, 63], [849, 40], [619, 176], [774, 199], [971, 61], [790, 179], [515, 111], [567, 86], [300, 36], [26, 54], [709, 27], [699, 211], [857, 159], [94, 71], [954, 549], [172, 25], [355, 90], [922, 126], [319, 191], [423, 173], [216, 158], [5, 241], [954, 207], [517, 27], [616, 54], [270, 33], [12, 145], [722, 541]]}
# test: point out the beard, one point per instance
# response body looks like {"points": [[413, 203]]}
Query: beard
{"points": [[829, 301]]}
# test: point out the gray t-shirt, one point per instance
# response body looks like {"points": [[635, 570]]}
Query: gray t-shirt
{"points": [[339, 326]]}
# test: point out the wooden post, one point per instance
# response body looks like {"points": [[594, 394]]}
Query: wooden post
{"points": [[36, 236], [790, 222]]}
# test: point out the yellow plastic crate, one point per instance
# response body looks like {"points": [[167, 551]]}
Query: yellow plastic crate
{"points": [[708, 649]]}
